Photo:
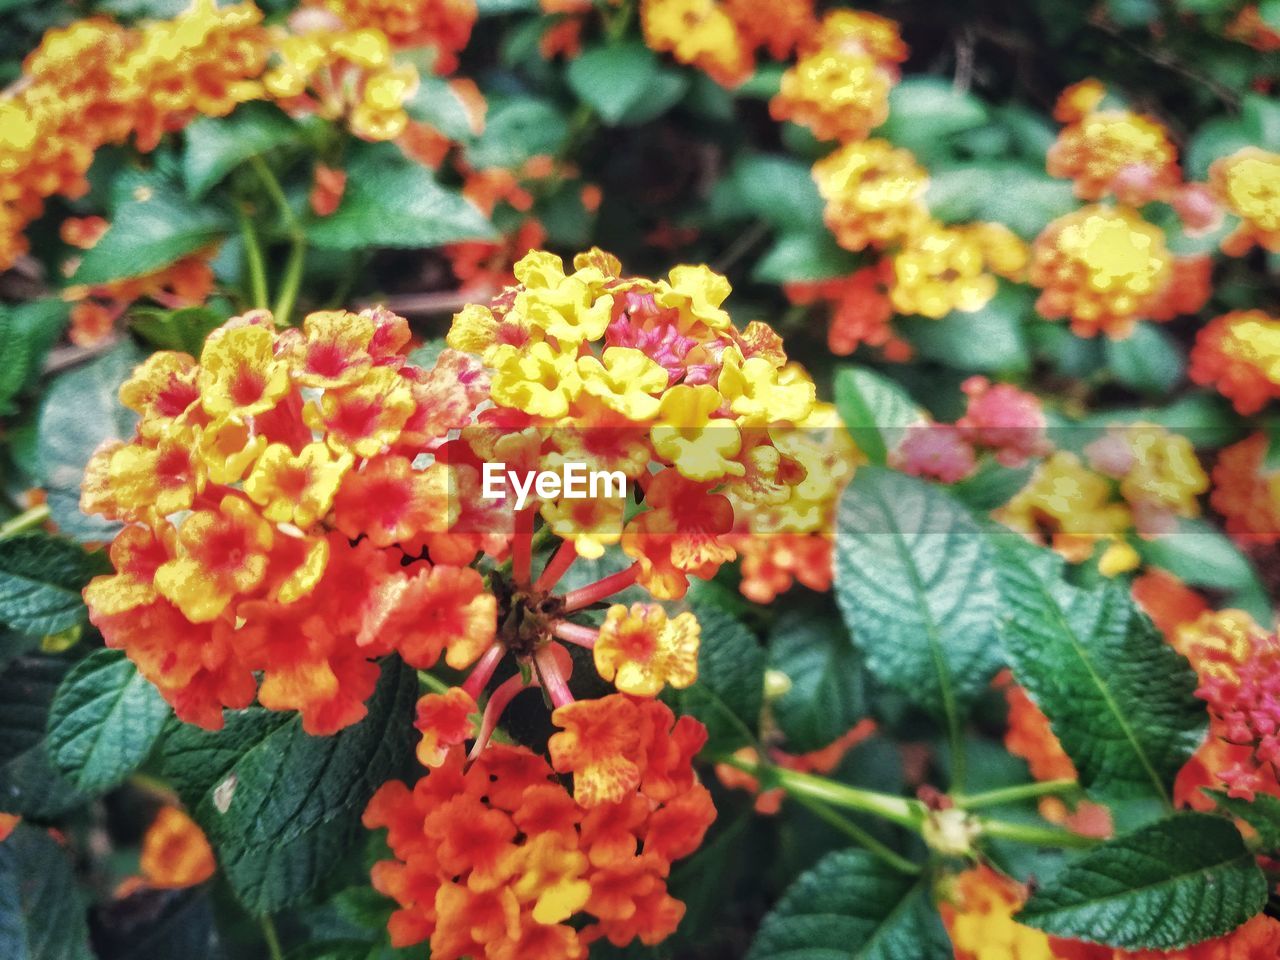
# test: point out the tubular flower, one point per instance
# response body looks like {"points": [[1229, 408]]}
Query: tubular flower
{"points": [[1116, 153], [445, 720], [700, 33], [640, 649], [1101, 267], [940, 269], [839, 86], [1159, 474], [444, 25], [495, 859], [873, 192], [1246, 492], [1239, 354], [1248, 184], [230, 561], [978, 907], [175, 853]]}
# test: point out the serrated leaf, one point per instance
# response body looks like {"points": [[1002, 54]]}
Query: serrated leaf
{"points": [[104, 720], [281, 807], [853, 907], [827, 692], [217, 145], [30, 784], [27, 331], [392, 202], [730, 688], [40, 582], [81, 411], [184, 329], [1262, 813], [874, 409], [914, 581], [613, 79], [152, 229], [1120, 699], [435, 102], [42, 913], [1181, 880]]}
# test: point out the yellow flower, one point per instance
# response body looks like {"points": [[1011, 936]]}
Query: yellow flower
{"points": [[873, 192], [625, 382], [163, 479], [228, 449], [1248, 182], [699, 445], [938, 270], [1116, 152], [697, 292], [364, 418], [837, 95], [640, 650], [537, 380], [477, 329], [1165, 472], [699, 33], [240, 373], [550, 876], [592, 523], [760, 394], [561, 307], [296, 488]]}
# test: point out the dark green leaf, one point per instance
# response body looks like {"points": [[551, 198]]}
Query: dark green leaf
{"points": [[392, 202], [613, 79], [27, 331], [1120, 699], [183, 329], [80, 412], [40, 582], [914, 580], [992, 485], [924, 111], [1179, 881], [104, 721], [436, 103], [157, 226], [779, 190], [853, 907], [516, 129], [281, 807], [217, 145], [42, 913], [1148, 360], [1262, 813], [730, 688], [30, 784], [803, 256], [988, 339], [827, 690], [875, 410]]}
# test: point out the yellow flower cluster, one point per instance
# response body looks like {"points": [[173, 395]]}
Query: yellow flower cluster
{"points": [[1116, 153], [1101, 267], [444, 25], [978, 910], [874, 193], [341, 74], [1248, 183]]}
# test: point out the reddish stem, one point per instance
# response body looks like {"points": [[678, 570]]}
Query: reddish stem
{"points": [[493, 709], [482, 672], [556, 566], [576, 633], [585, 596], [551, 676]]}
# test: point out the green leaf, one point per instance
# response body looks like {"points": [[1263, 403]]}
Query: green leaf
{"points": [[436, 103], [989, 339], [516, 129], [183, 329], [914, 580], [1182, 880], [1262, 813], [874, 409], [992, 485], [217, 145], [1148, 360], [779, 190], [80, 412], [281, 807], [42, 913], [30, 784], [853, 907], [156, 227], [1217, 138], [392, 202], [1201, 555], [925, 110], [1120, 699], [803, 256], [827, 692], [730, 689], [104, 720], [27, 331], [613, 79], [40, 582]]}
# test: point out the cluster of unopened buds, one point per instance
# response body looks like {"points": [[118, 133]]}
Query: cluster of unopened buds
{"points": [[299, 503]]}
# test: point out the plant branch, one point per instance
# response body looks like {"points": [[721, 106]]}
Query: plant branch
{"points": [[858, 835], [29, 519], [1035, 834], [1014, 794], [253, 259]]}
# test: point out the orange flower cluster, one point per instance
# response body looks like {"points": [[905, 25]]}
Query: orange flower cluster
{"points": [[1239, 354], [276, 522], [1248, 184], [977, 909], [95, 82], [175, 852], [1116, 153], [496, 858], [1258, 939], [721, 38], [443, 25], [1247, 492]]}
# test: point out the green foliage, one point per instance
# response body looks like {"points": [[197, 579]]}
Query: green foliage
{"points": [[874, 409], [852, 905], [615, 80], [827, 692], [730, 689], [1262, 813], [40, 582], [1087, 657], [915, 582], [27, 331], [990, 339], [104, 720], [29, 782], [1179, 881], [215, 147], [41, 909]]}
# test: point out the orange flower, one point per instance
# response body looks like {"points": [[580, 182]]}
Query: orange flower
{"points": [[445, 720], [175, 853], [640, 650], [599, 744], [391, 502], [978, 909], [8, 823], [1257, 939], [1244, 491], [366, 416], [1239, 354]]}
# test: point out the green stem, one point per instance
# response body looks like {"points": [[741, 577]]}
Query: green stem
{"points": [[273, 187], [273, 939], [288, 292], [1015, 794], [432, 682], [858, 835], [29, 519], [253, 257], [907, 813], [1040, 836]]}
